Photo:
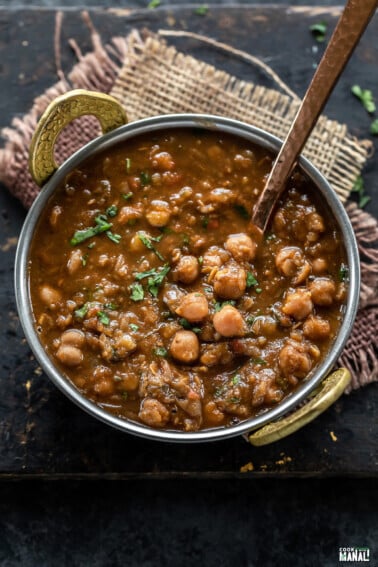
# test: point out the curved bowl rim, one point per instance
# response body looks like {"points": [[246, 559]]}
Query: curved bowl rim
{"points": [[211, 122]]}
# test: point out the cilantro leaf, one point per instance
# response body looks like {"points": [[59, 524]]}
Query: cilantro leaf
{"points": [[251, 280], [366, 98], [319, 31], [147, 241], [112, 211], [102, 225], [374, 127], [113, 237], [218, 305], [359, 188], [160, 351], [81, 313], [137, 292], [103, 317], [202, 10]]}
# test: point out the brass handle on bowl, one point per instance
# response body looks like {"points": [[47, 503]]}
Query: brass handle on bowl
{"points": [[328, 392], [60, 112]]}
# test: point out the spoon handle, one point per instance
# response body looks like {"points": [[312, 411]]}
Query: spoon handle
{"points": [[351, 25]]}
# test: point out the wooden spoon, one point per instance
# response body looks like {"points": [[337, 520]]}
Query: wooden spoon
{"points": [[351, 25]]}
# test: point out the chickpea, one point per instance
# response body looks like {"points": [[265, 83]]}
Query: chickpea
{"points": [[73, 337], [187, 269], [315, 223], [127, 214], [241, 246], [104, 387], [228, 322], [214, 257], [153, 413], [316, 328], [136, 245], [265, 325], [288, 260], [193, 307], [298, 304], [319, 266], [163, 161], [159, 213], [69, 355], [49, 295], [294, 360], [212, 414], [230, 282], [75, 261], [323, 291], [185, 347]]}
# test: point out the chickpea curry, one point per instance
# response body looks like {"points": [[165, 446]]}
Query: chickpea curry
{"points": [[149, 294]]}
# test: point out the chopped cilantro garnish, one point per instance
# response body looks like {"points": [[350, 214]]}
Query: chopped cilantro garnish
{"points": [[366, 98], [127, 196], [202, 10], [147, 241], [258, 290], [185, 238], [155, 278], [242, 211], [111, 306], [113, 237], [251, 280], [374, 127], [125, 395], [259, 361], [236, 379], [234, 400], [102, 225], [137, 292], [251, 320], [112, 211], [204, 221], [84, 260], [91, 245], [145, 178], [81, 313], [153, 4], [134, 327], [160, 351], [343, 273], [185, 323], [218, 305], [103, 317], [359, 188], [319, 31]]}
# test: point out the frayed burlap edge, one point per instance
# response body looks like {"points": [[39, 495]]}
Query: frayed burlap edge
{"points": [[157, 79]]}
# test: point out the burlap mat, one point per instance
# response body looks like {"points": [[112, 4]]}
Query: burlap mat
{"points": [[149, 78]]}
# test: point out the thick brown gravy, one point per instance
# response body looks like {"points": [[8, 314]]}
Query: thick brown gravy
{"points": [[151, 297]]}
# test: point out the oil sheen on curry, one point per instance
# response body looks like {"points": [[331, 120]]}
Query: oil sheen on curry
{"points": [[149, 294]]}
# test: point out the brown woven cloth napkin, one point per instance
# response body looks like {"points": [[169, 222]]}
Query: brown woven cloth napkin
{"points": [[149, 78]]}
